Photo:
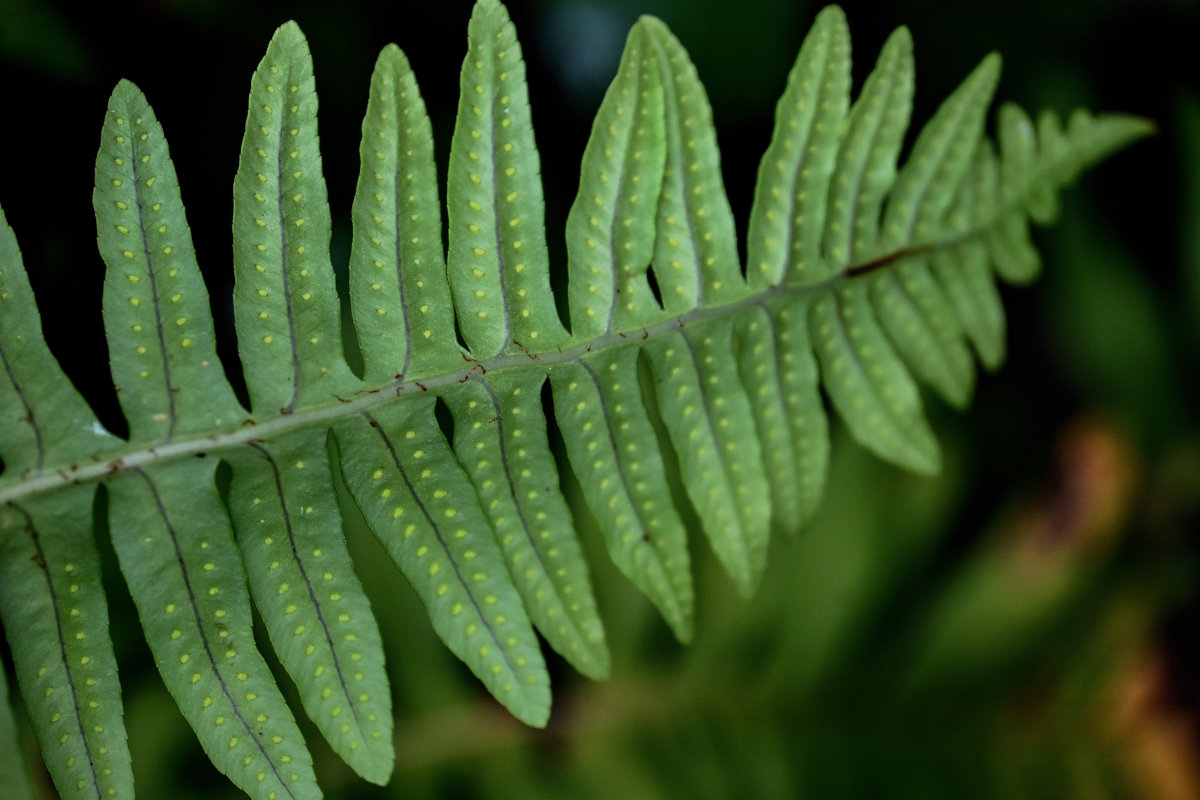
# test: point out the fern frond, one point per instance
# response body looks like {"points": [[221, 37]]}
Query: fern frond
{"points": [[863, 277]]}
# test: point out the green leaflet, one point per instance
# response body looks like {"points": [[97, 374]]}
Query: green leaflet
{"points": [[863, 277], [610, 229], [925, 186], [11, 766], [185, 575], [43, 420], [866, 161], [784, 240], [500, 438], [610, 441], [708, 416], [156, 312], [56, 618], [921, 323], [411, 489], [867, 382], [695, 252], [777, 366], [288, 528], [498, 269], [285, 303], [398, 289]]}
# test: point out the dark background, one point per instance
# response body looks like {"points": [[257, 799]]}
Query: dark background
{"points": [[1022, 626]]}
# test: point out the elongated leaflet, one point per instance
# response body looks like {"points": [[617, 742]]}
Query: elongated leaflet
{"points": [[500, 438], [56, 618], [185, 574], [709, 418], [611, 227], [286, 306], [406, 481], [289, 531], [610, 441], [156, 311], [791, 196], [499, 272], [398, 288], [43, 420]]}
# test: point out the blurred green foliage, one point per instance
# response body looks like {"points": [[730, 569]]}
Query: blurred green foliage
{"points": [[1023, 626]]}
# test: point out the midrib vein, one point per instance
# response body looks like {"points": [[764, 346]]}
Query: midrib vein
{"points": [[366, 398]]}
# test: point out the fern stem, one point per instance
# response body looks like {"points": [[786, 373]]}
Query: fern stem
{"points": [[250, 432]]}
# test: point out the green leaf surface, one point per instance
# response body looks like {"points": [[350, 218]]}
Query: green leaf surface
{"points": [[610, 442], [288, 528], [926, 184], [43, 420], [863, 277], [709, 418], [866, 161], [780, 374], [156, 312], [498, 267], [966, 279], [964, 272], [610, 228], [285, 301], [790, 198], [695, 255], [920, 321], [867, 382], [500, 438], [184, 571], [409, 486], [398, 290], [12, 767], [56, 618]]}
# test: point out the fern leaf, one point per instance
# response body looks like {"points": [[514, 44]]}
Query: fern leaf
{"points": [[409, 486], [775, 358], [398, 290], [156, 312], [610, 441], [500, 438], [498, 268], [708, 416], [790, 199], [289, 531], [695, 253], [285, 303], [866, 161], [184, 572], [863, 277], [45, 422], [868, 383], [55, 614], [610, 228], [56, 618]]}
